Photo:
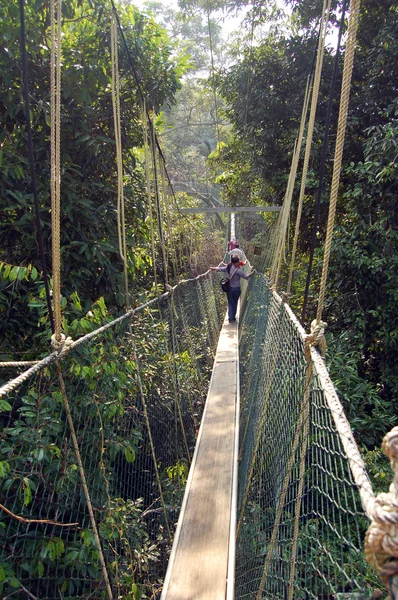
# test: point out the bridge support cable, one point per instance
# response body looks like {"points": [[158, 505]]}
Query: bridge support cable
{"points": [[39, 229], [311, 124], [279, 241], [325, 145], [338, 156], [55, 116]]}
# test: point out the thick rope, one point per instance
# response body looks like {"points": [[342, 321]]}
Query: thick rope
{"points": [[381, 541], [149, 431], [282, 227], [342, 425], [158, 206], [311, 123], [172, 250], [18, 365], [70, 344], [304, 442], [174, 376], [39, 229], [121, 222], [325, 146], [303, 414], [260, 427], [55, 82], [84, 483], [148, 189], [341, 129]]}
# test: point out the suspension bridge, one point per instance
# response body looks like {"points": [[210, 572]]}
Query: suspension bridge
{"points": [[169, 453]]}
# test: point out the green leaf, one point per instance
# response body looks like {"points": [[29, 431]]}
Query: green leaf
{"points": [[129, 454], [13, 581], [4, 470], [14, 273], [33, 274], [22, 273], [40, 568], [5, 406]]}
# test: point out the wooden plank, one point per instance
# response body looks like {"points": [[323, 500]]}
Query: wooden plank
{"points": [[198, 566], [230, 209]]}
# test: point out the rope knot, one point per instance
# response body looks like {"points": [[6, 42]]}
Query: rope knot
{"points": [[381, 541], [61, 345], [285, 297], [390, 447], [316, 337]]}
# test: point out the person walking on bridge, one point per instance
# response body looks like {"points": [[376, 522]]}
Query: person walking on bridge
{"points": [[235, 272]]}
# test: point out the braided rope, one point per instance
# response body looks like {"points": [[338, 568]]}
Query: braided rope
{"points": [[158, 204], [84, 482], [18, 364], [302, 417], [283, 224], [148, 189], [55, 115], [304, 440], [173, 250], [381, 541], [341, 129], [149, 430], [310, 132], [51, 358], [121, 221], [260, 427]]}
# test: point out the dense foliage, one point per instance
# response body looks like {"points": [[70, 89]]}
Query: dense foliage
{"points": [[89, 239], [264, 93]]}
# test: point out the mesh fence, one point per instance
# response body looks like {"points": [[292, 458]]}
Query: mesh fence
{"points": [[300, 520], [135, 394]]}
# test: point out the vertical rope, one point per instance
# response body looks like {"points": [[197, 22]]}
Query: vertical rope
{"points": [[212, 74], [260, 427], [341, 128], [39, 232], [148, 189], [170, 243], [55, 115], [84, 482], [283, 221], [121, 224], [325, 146], [311, 123], [304, 441], [158, 206], [148, 426], [303, 416]]}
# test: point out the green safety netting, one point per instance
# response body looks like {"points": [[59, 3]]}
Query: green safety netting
{"points": [[300, 520], [135, 393]]}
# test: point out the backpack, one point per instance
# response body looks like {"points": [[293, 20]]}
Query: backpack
{"points": [[225, 282]]}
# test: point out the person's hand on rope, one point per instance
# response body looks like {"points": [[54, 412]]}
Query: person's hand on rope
{"points": [[252, 272]]}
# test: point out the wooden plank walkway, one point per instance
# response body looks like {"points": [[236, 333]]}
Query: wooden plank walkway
{"points": [[203, 554]]}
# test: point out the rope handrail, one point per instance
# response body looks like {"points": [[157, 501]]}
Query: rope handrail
{"points": [[51, 358], [343, 427]]}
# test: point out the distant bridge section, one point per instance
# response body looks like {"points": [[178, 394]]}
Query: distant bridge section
{"points": [[230, 209]]}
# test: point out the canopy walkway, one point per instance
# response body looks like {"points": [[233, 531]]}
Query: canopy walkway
{"points": [[93, 487], [108, 441]]}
